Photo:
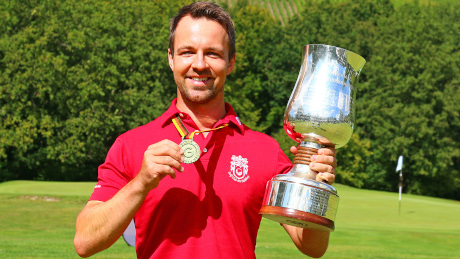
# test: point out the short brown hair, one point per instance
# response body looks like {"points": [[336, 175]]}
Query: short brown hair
{"points": [[209, 11]]}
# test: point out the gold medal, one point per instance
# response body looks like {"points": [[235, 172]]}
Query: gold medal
{"points": [[191, 149]]}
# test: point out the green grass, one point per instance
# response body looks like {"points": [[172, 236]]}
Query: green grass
{"points": [[368, 225], [37, 220]]}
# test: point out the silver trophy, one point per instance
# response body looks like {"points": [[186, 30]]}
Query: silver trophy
{"points": [[321, 106]]}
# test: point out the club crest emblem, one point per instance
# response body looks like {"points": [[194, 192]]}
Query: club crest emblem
{"points": [[239, 169]]}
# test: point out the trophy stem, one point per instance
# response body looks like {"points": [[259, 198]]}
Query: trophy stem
{"points": [[302, 160], [304, 154]]}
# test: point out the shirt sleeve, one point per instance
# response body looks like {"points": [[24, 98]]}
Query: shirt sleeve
{"points": [[112, 175], [284, 164]]}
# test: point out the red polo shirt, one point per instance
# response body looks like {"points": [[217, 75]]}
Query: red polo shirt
{"points": [[211, 210]]}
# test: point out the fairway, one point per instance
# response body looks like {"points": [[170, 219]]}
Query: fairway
{"points": [[37, 220]]}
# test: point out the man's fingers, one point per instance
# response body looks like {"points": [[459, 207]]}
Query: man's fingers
{"points": [[324, 163], [172, 160], [166, 148], [325, 166], [325, 142], [325, 178], [325, 159], [161, 171], [327, 151], [322, 168], [293, 150], [169, 161], [160, 160]]}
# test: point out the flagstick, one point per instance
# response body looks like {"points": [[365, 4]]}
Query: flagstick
{"points": [[400, 190], [399, 168], [400, 187]]}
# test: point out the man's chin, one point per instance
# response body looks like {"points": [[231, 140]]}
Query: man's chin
{"points": [[200, 99], [200, 96]]}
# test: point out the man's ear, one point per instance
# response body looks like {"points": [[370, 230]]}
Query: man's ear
{"points": [[231, 64], [170, 59]]}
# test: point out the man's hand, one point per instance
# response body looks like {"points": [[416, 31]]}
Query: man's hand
{"points": [[325, 162], [160, 160]]}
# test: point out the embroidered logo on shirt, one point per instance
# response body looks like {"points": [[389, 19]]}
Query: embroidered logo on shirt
{"points": [[239, 169]]}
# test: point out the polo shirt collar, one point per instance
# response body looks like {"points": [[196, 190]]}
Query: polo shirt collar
{"points": [[230, 117]]}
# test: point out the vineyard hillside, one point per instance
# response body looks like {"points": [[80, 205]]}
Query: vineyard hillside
{"points": [[284, 9]]}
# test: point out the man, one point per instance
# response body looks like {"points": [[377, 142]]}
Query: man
{"points": [[199, 209]]}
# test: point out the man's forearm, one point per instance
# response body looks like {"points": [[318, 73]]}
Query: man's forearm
{"points": [[310, 242], [100, 224]]}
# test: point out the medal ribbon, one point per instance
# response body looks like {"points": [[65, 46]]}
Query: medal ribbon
{"points": [[184, 133]]}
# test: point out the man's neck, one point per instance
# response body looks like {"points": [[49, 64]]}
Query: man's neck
{"points": [[204, 115]]}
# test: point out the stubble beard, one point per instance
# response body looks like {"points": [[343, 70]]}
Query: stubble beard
{"points": [[199, 96]]}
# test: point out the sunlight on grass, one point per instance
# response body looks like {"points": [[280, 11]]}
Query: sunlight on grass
{"points": [[37, 220]]}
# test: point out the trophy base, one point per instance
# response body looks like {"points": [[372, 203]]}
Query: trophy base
{"points": [[300, 202], [297, 218]]}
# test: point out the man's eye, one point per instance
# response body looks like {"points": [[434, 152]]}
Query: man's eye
{"points": [[214, 54], [186, 53]]}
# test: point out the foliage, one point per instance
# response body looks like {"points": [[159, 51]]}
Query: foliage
{"points": [[76, 74], [408, 106], [246, 88]]}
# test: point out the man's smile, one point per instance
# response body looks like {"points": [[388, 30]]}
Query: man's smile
{"points": [[200, 79]]}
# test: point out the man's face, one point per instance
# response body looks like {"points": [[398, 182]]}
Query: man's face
{"points": [[201, 63]]}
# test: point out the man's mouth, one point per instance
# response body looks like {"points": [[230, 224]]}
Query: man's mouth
{"points": [[199, 79]]}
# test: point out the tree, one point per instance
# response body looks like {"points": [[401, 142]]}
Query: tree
{"points": [[74, 76], [407, 104], [250, 87]]}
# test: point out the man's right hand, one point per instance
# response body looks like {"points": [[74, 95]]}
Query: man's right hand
{"points": [[160, 160]]}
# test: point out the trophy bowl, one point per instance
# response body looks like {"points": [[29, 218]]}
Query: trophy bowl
{"points": [[321, 106]]}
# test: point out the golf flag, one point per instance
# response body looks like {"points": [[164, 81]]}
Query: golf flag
{"points": [[400, 164], [399, 169]]}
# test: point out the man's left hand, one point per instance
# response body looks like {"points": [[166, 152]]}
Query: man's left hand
{"points": [[324, 163]]}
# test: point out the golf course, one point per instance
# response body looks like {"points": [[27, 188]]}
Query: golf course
{"points": [[37, 220]]}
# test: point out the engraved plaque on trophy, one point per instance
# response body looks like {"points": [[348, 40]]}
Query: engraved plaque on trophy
{"points": [[321, 106]]}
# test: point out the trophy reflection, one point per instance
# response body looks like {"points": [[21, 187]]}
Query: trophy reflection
{"points": [[321, 106]]}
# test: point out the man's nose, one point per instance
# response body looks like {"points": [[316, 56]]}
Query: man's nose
{"points": [[199, 62]]}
